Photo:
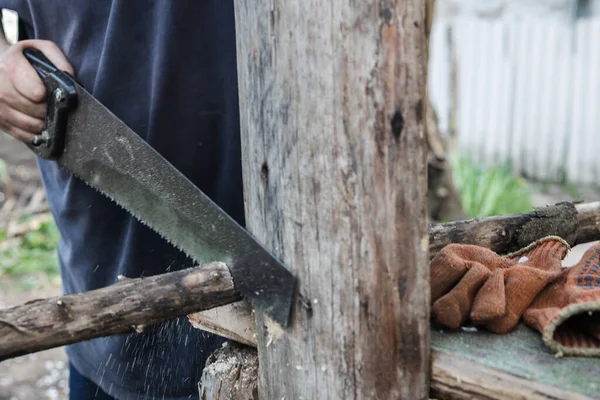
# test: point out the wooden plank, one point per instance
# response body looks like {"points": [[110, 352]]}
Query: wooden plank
{"points": [[522, 354], [124, 307], [331, 98], [457, 378]]}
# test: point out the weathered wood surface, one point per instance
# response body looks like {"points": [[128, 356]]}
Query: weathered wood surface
{"points": [[522, 354], [231, 373], [332, 116], [124, 307], [459, 379], [575, 223], [234, 321]]}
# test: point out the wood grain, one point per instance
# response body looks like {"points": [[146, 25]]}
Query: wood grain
{"points": [[234, 321], [124, 307], [519, 354], [332, 115], [457, 378]]}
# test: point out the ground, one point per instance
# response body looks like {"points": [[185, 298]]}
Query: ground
{"points": [[42, 375], [38, 376]]}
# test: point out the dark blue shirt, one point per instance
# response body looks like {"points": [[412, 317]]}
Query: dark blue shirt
{"points": [[168, 70]]}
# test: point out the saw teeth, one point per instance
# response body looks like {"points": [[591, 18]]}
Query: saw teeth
{"points": [[145, 223]]}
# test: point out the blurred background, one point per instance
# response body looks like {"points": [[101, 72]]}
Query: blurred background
{"points": [[515, 89], [513, 123]]}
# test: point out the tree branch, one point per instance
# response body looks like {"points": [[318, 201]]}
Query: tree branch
{"points": [[126, 306]]}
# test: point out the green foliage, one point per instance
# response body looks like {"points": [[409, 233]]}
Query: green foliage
{"points": [[489, 191], [573, 190], [35, 256]]}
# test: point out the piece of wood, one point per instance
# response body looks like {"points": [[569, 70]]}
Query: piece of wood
{"points": [[521, 354], [126, 306], [332, 116], [456, 378], [575, 223], [231, 373], [234, 321]]}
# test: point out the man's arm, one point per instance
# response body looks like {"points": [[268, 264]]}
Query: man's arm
{"points": [[22, 93]]}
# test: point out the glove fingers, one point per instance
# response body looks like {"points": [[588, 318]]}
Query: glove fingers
{"points": [[523, 284], [453, 309], [490, 302], [445, 270]]}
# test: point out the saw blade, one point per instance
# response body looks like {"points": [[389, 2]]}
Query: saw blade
{"points": [[106, 154]]}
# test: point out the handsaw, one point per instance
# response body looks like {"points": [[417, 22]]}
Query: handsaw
{"points": [[86, 139]]}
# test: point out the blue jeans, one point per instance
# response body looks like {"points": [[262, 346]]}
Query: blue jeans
{"points": [[81, 388]]}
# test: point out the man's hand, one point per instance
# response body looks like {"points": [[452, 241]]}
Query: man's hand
{"points": [[22, 92]]}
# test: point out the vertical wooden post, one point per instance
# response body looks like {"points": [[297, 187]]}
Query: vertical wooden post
{"points": [[332, 106]]}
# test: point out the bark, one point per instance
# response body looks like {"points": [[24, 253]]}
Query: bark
{"points": [[575, 223], [124, 307], [332, 99], [231, 373]]}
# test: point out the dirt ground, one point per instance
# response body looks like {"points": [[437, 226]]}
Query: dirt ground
{"points": [[38, 376], [43, 375]]}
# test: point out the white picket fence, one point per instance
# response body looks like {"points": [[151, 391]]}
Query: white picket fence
{"points": [[528, 92]]}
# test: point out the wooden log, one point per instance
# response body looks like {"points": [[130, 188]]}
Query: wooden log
{"points": [[126, 306], [231, 373], [332, 116], [575, 223]]}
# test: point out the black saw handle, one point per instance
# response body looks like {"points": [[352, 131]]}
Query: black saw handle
{"points": [[61, 97]]}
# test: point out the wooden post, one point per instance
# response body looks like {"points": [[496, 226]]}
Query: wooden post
{"points": [[334, 154]]}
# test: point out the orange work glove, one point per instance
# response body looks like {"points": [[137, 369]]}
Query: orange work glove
{"points": [[567, 312], [502, 300], [457, 273], [493, 290]]}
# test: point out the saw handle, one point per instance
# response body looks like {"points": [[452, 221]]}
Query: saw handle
{"points": [[61, 97]]}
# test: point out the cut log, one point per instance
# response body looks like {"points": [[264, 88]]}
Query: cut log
{"points": [[126, 306]]}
